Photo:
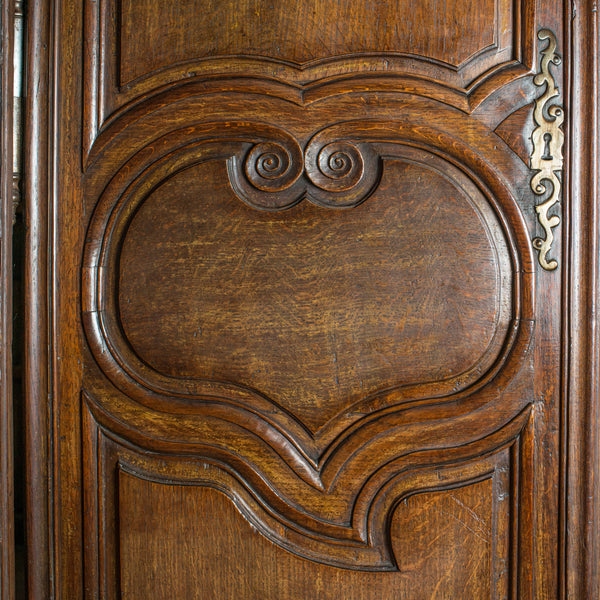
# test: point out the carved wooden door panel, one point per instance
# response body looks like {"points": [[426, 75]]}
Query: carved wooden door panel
{"points": [[299, 299]]}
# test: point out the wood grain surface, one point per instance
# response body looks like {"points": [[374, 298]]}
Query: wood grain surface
{"points": [[252, 567], [287, 331], [313, 307], [306, 31]]}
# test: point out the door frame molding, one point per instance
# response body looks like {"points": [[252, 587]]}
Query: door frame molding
{"points": [[579, 575]]}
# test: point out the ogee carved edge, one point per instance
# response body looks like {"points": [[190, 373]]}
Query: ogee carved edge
{"points": [[547, 159], [353, 531]]}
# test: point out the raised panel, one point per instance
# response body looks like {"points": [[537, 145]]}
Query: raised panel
{"points": [[283, 304], [304, 31], [313, 307], [449, 553], [277, 297], [340, 519], [193, 527]]}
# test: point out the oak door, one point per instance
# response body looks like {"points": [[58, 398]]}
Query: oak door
{"points": [[300, 289]]}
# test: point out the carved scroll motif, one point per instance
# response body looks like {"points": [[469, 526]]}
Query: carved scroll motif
{"points": [[275, 175], [547, 159]]}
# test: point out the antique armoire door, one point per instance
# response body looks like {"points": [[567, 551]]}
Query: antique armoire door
{"points": [[311, 299]]}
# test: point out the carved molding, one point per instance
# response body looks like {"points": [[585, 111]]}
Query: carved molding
{"points": [[502, 62], [345, 524], [273, 160], [547, 159]]}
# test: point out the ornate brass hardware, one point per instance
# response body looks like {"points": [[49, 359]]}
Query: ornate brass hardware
{"points": [[548, 139]]}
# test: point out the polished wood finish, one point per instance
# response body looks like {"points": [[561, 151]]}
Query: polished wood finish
{"points": [[461, 534], [36, 193], [288, 336], [304, 32], [581, 442]]}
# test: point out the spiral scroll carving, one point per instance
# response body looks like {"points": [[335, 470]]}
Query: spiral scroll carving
{"points": [[276, 174], [339, 166], [271, 167]]}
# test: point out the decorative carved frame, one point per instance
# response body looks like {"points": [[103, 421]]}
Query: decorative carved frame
{"points": [[105, 98]]}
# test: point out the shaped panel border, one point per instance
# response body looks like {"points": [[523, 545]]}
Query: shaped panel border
{"points": [[105, 99], [359, 541], [142, 384]]}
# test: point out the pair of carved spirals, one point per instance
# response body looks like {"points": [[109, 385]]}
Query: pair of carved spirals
{"points": [[335, 167]]}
